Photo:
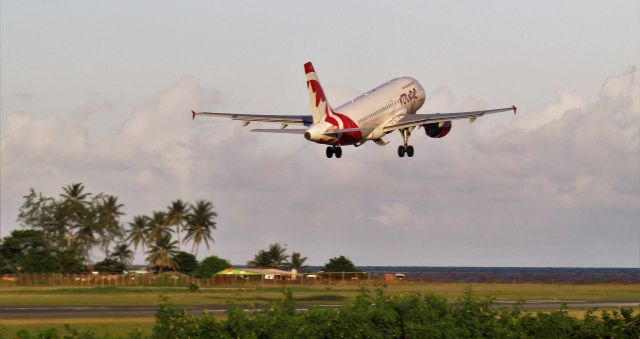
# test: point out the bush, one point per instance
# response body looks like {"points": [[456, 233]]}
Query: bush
{"points": [[109, 266], [377, 315], [186, 262], [210, 266], [340, 264]]}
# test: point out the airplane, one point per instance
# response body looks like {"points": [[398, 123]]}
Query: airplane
{"points": [[370, 116]]}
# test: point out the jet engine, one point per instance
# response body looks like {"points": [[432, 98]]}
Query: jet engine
{"points": [[437, 129]]}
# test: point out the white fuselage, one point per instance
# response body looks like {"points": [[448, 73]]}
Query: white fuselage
{"points": [[370, 112]]}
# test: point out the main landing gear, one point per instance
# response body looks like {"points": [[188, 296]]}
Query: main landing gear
{"points": [[405, 148], [334, 150]]}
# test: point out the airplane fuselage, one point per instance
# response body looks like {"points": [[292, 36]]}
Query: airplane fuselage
{"points": [[369, 113]]}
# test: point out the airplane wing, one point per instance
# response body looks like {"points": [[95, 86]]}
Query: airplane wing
{"points": [[411, 120], [305, 120], [280, 130]]}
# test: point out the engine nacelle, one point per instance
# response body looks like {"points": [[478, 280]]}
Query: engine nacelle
{"points": [[437, 129]]}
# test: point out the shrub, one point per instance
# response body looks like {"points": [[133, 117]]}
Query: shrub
{"points": [[378, 315], [186, 262], [109, 266], [210, 266]]}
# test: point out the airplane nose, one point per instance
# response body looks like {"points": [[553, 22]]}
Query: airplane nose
{"points": [[307, 135]]}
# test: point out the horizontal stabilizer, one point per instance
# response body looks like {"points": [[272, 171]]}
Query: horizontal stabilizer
{"points": [[337, 132], [279, 130], [246, 118]]}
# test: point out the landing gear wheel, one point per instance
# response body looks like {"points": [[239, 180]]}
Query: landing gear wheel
{"points": [[409, 150], [338, 152], [330, 152], [405, 147]]}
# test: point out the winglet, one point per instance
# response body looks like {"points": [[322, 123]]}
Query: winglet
{"points": [[194, 115], [514, 109]]}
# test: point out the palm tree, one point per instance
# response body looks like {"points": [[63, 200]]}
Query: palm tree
{"points": [[76, 205], [109, 212], [177, 216], [273, 257], [157, 227], [200, 224], [138, 231], [277, 254], [74, 193], [55, 224], [163, 252], [122, 253], [297, 262], [260, 260]]}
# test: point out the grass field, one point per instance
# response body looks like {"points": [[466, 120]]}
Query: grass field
{"points": [[49, 296], [115, 327]]}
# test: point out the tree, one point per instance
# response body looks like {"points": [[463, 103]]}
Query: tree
{"points": [[109, 265], [297, 262], [186, 262], [40, 212], [200, 224], [108, 217], [137, 232], [210, 266], [75, 205], [340, 264], [158, 228], [29, 251], [77, 221], [162, 253], [177, 216], [273, 257], [71, 262], [122, 254]]}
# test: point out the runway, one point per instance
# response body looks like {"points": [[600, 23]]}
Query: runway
{"points": [[61, 312]]}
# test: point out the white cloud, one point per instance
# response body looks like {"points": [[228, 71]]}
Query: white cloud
{"points": [[31, 137], [396, 214], [565, 102]]}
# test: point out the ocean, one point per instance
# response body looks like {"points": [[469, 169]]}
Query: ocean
{"points": [[507, 274]]}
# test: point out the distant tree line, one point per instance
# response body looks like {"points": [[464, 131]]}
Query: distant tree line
{"points": [[60, 234], [276, 257]]}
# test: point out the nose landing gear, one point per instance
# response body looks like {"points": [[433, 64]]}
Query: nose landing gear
{"points": [[405, 148], [334, 150]]}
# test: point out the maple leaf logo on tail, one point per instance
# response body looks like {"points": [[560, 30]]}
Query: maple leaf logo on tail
{"points": [[320, 107]]}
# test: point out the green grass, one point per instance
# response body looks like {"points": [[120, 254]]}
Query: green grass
{"points": [[115, 327], [528, 291], [51, 296]]}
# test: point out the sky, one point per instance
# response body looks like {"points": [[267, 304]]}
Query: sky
{"points": [[100, 93]]}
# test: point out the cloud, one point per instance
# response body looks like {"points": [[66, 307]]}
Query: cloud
{"points": [[556, 185], [396, 214], [34, 138], [566, 102], [93, 104]]}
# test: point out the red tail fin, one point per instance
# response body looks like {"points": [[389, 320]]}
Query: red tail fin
{"points": [[320, 107]]}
